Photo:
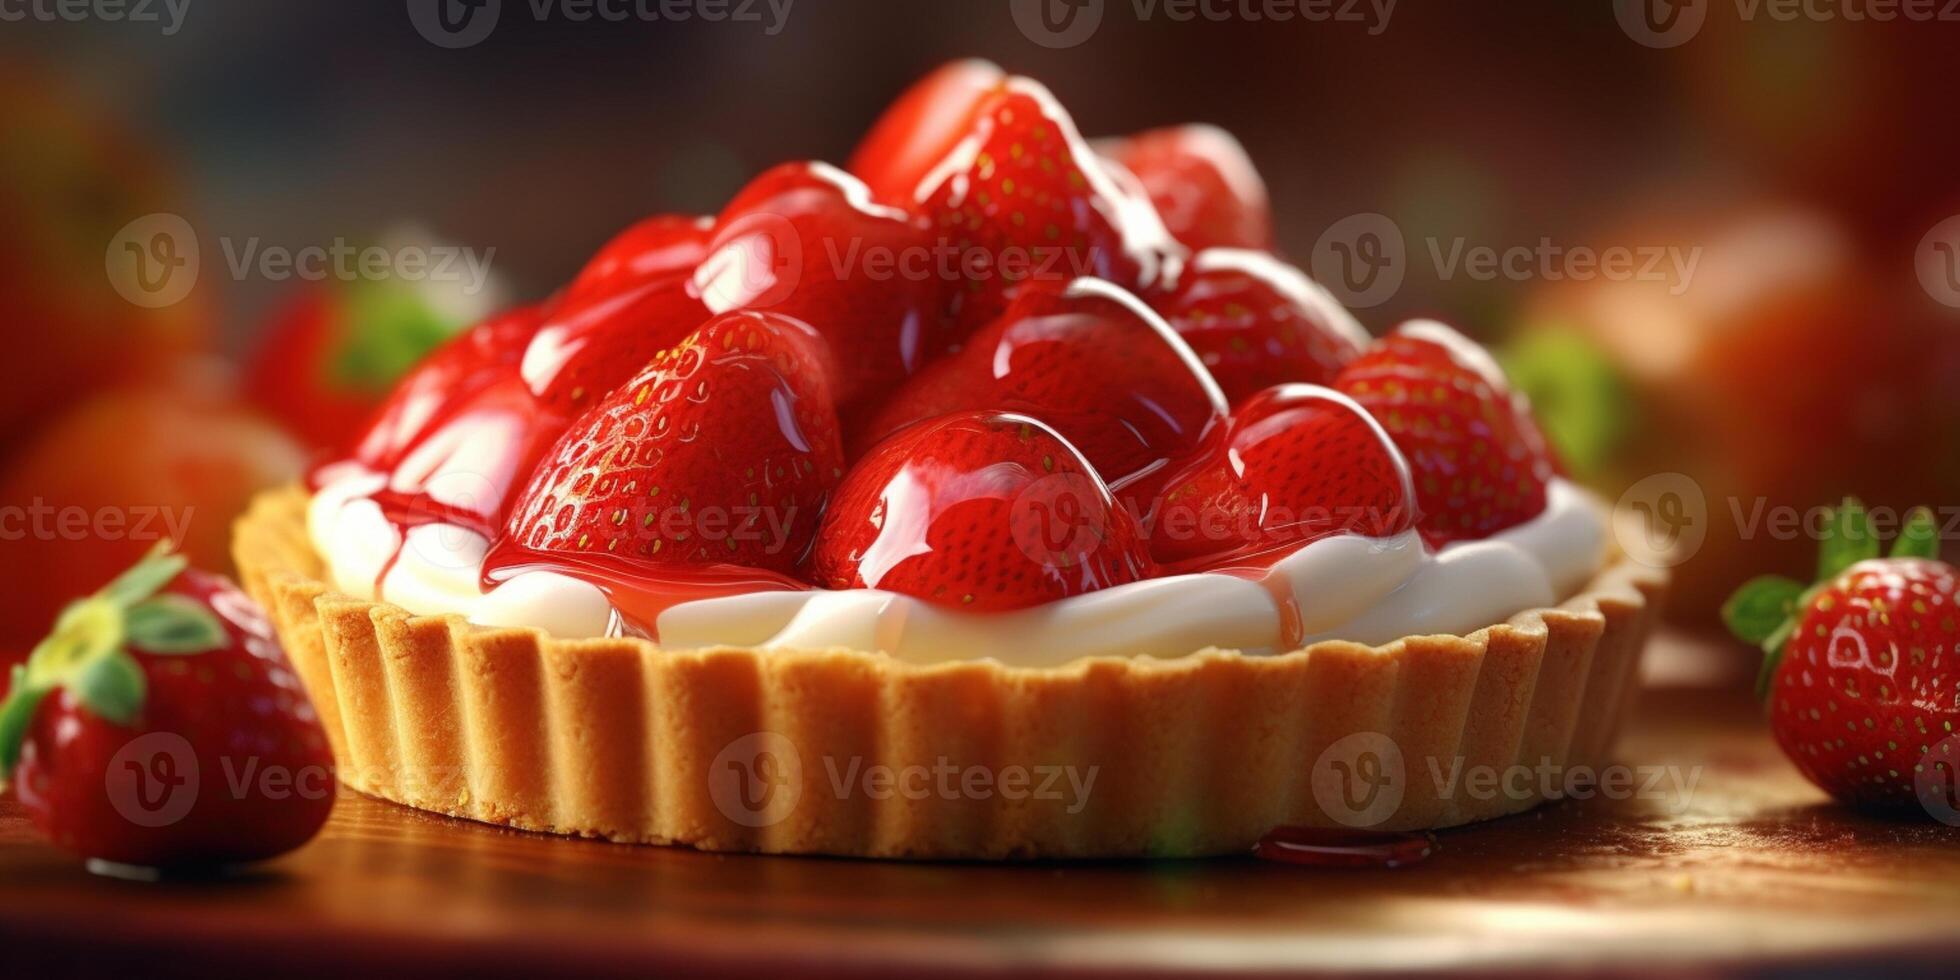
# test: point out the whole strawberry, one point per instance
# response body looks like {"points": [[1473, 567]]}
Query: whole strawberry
{"points": [[160, 727], [1860, 674]]}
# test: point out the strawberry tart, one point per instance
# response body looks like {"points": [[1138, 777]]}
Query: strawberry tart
{"points": [[1002, 495]]}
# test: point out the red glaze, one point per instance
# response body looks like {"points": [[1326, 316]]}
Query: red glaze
{"points": [[1257, 322], [659, 247], [721, 451], [1479, 460], [1867, 691], [921, 128], [1021, 198], [1088, 359], [1202, 183], [591, 345], [805, 240], [1298, 463], [1323, 848], [231, 735], [980, 511]]}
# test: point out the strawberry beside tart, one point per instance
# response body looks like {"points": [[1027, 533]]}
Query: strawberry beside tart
{"points": [[866, 516]]}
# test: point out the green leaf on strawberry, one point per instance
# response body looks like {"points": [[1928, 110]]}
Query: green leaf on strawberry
{"points": [[88, 652]]}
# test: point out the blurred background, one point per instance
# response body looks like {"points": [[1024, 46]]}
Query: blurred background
{"points": [[1785, 330]]}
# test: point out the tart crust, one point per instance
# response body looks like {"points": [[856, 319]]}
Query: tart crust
{"points": [[851, 753]]}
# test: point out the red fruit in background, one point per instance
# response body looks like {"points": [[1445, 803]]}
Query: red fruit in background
{"points": [[657, 247], [1863, 687], [178, 458], [1020, 197], [1299, 463], [74, 180], [161, 726], [921, 128], [979, 511], [334, 350], [1202, 183], [1257, 322], [804, 240], [721, 451], [1091, 361], [1480, 463]]}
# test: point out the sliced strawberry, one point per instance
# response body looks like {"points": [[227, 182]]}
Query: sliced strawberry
{"points": [[1480, 462], [978, 511], [160, 726], [1257, 322], [1022, 198], [720, 451], [1088, 359], [1299, 463], [921, 128], [1202, 183], [805, 240], [662, 246]]}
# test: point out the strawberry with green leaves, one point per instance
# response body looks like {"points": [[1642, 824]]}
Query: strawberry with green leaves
{"points": [[1860, 672], [160, 727]]}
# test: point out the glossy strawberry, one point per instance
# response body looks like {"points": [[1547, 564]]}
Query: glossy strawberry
{"points": [[978, 511], [720, 451], [1202, 183], [1021, 198], [921, 128], [1298, 463], [1479, 460], [160, 726], [805, 240], [463, 432], [591, 343], [1861, 675], [1257, 322], [1089, 360], [659, 247]]}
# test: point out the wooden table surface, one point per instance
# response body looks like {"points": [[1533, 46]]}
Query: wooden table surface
{"points": [[1752, 872]]}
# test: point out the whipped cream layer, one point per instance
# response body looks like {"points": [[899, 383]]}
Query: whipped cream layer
{"points": [[1368, 590]]}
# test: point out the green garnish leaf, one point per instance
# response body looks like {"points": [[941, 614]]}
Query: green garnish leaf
{"points": [[1773, 656], [149, 575], [1848, 540], [1919, 538], [16, 714], [1762, 605], [111, 687], [88, 629], [175, 625]]}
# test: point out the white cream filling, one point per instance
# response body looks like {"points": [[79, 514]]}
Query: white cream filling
{"points": [[1368, 590]]}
